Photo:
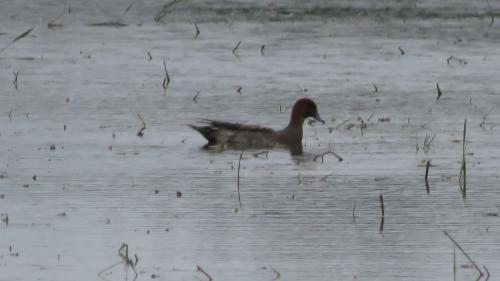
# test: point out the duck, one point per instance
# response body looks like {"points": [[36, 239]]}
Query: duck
{"points": [[230, 135]]}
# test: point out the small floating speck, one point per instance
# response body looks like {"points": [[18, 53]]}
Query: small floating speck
{"points": [[490, 215]]}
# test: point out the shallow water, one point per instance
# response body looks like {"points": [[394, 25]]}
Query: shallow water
{"points": [[94, 191]]}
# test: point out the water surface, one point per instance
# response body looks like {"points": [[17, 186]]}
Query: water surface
{"points": [[80, 88]]}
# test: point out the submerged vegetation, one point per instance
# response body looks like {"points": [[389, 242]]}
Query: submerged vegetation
{"points": [[108, 23]]}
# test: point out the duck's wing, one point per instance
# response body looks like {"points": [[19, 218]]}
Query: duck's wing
{"points": [[227, 133], [236, 126]]}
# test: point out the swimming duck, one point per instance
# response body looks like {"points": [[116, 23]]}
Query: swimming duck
{"points": [[240, 136]]}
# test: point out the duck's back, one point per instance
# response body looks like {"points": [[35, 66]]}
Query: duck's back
{"points": [[236, 135]]}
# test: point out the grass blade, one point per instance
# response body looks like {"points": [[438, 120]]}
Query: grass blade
{"points": [[24, 34]]}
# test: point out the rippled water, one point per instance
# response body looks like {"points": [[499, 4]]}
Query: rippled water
{"points": [[80, 88]]}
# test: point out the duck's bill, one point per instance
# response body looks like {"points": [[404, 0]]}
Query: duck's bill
{"points": [[319, 118]]}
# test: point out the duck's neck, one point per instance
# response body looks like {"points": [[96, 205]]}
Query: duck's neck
{"points": [[293, 131], [296, 123], [296, 120]]}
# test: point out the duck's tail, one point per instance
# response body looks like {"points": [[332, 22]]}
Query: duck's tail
{"points": [[208, 132]]}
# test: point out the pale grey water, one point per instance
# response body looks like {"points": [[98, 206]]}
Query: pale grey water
{"points": [[93, 192]]}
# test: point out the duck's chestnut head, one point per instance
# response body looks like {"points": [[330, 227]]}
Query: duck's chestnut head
{"points": [[305, 108]]}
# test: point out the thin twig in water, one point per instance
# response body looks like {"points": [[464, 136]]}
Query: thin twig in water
{"points": [[115, 23], [364, 124], [322, 155], [487, 273], [16, 74], [439, 91], [24, 34], [141, 131], [343, 122], [239, 165], [489, 27], [123, 253], [196, 96], [235, 49], [197, 31], [417, 148], [198, 268], [427, 166], [381, 226], [257, 155], [462, 180], [166, 80], [381, 199], [99, 274], [353, 213], [165, 9], [128, 262], [370, 117], [464, 253], [427, 142], [483, 121], [129, 7], [454, 265], [278, 274]]}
